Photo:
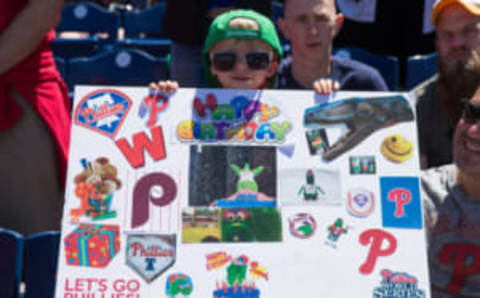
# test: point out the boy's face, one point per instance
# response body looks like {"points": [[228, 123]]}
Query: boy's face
{"points": [[310, 25], [241, 75]]}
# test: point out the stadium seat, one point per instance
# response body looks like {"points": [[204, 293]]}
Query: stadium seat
{"points": [[420, 68], [41, 255], [11, 256], [117, 67], [143, 30], [100, 24], [388, 66]]}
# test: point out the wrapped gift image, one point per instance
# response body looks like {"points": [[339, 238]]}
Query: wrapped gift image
{"points": [[92, 245]]}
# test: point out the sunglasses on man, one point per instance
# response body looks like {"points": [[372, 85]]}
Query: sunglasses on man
{"points": [[225, 61], [471, 112]]}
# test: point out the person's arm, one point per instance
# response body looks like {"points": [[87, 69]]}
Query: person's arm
{"points": [[27, 30]]}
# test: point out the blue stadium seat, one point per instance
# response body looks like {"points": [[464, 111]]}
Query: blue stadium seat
{"points": [[100, 24], [143, 30], [420, 68], [11, 256], [41, 255], [117, 67], [388, 66]]}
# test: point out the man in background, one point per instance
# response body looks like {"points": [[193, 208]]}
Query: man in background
{"points": [[438, 99], [311, 26]]}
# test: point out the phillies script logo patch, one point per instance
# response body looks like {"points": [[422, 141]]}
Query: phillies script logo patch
{"points": [[103, 111], [150, 255]]}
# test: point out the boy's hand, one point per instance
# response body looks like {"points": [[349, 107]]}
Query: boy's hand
{"points": [[325, 86], [164, 86]]}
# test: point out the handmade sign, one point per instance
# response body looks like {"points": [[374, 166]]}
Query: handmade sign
{"points": [[242, 193]]}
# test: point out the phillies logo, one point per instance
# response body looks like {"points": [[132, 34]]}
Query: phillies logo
{"points": [[381, 244], [150, 255], [159, 189], [103, 111], [401, 206], [401, 197], [153, 104], [398, 284], [463, 259], [360, 202]]}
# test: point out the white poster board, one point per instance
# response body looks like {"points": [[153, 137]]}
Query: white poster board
{"points": [[234, 193]]}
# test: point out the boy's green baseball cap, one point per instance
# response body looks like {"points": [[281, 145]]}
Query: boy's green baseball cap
{"points": [[219, 30]]}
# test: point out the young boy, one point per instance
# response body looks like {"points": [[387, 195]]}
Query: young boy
{"points": [[242, 51]]}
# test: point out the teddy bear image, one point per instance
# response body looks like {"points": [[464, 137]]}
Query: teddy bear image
{"points": [[95, 186]]}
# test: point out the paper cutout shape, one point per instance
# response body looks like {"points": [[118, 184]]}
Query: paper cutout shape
{"points": [[92, 245], [150, 255]]}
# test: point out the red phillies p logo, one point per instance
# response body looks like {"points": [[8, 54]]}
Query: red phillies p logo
{"points": [[376, 239], [401, 197]]}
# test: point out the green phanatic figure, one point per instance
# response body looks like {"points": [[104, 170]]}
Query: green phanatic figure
{"points": [[246, 177], [237, 271], [310, 190], [251, 224]]}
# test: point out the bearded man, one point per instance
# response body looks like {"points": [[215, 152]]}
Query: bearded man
{"points": [[438, 100]]}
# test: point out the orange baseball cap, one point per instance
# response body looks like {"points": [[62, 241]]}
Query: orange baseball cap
{"points": [[472, 6]]}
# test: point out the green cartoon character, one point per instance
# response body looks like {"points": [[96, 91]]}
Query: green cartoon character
{"points": [[236, 225], [309, 190], [237, 270], [336, 230], [246, 177], [179, 284], [251, 224]]}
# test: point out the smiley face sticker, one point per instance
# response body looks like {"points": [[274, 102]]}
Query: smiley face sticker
{"points": [[397, 148]]}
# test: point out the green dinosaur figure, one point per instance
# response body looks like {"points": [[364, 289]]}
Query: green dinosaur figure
{"points": [[246, 177]]}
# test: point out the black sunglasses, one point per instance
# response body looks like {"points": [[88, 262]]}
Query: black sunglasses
{"points": [[226, 61], [471, 112]]}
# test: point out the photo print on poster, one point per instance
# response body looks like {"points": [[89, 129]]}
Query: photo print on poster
{"points": [[232, 177], [360, 117], [309, 186], [207, 225]]}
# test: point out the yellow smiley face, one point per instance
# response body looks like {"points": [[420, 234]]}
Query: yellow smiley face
{"points": [[397, 148]]}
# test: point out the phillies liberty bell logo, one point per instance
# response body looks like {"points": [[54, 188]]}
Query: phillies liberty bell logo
{"points": [[150, 255], [103, 111]]}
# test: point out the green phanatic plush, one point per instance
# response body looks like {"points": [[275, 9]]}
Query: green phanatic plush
{"points": [[246, 177], [252, 224]]}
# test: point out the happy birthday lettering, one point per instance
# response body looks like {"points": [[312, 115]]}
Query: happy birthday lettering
{"points": [[240, 120]]}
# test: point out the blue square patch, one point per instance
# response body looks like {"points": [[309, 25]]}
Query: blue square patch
{"points": [[401, 206]]}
